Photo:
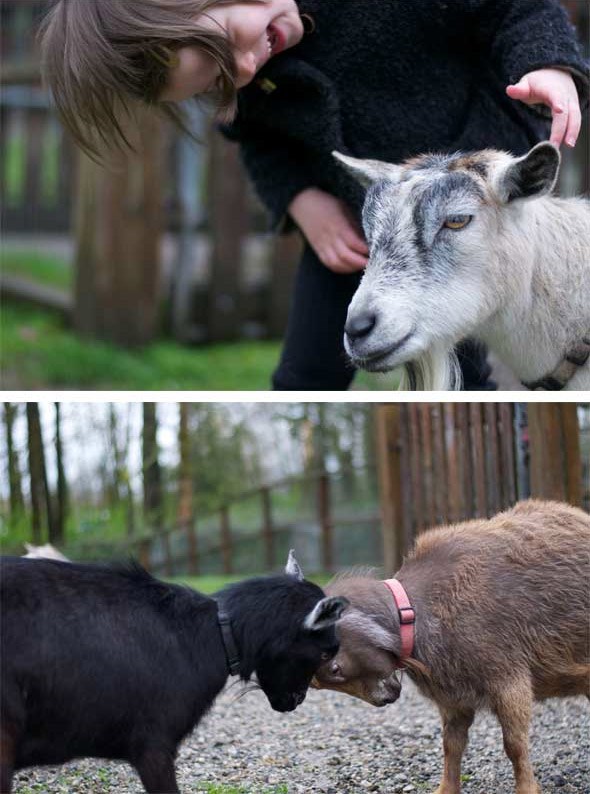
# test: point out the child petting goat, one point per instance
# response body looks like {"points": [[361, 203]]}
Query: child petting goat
{"points": [[109, 662], [472, 245], [491, 614]]}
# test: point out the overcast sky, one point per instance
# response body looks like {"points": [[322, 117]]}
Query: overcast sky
{"points": [[85, 441]]}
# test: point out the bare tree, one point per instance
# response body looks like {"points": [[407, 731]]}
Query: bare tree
{"points": [[57, 527], [185, 510], [40, 500], [17, 502], [152, 475]]}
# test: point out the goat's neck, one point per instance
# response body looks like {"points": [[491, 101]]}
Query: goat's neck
{"points": [[545, 295]]}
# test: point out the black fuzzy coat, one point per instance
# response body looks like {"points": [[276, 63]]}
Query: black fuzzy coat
{"points": [[389, 79]]}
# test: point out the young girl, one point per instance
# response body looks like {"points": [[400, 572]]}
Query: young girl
{"points": [[383, 79]]}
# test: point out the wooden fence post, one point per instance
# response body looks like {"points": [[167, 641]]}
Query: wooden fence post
{"points": [[286, 254], [325, 520], [229, 225], [388, 449], [226, 540], [168, 563], [267, 529], [144, 553], [118, 223], [555, 461], [193, 548], [478, 460]]}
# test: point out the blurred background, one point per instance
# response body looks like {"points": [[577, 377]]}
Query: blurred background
{"points": [[220, 490], [158, 273]]}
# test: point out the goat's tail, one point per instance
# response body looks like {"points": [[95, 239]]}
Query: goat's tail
{"points": [[437, 370]]}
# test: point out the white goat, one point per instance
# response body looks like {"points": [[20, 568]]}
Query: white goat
{"points": [[472, 245]]}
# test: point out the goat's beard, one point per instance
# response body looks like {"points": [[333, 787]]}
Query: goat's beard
{"points": [[434, 370]]}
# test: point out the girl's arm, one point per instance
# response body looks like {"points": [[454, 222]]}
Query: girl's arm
{"points": [[282, 178], [330, 229], [533, 48]]}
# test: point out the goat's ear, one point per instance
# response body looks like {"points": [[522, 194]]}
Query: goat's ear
{"points": [[534, 174], [368, 171], [325, 613], [292, 568]]}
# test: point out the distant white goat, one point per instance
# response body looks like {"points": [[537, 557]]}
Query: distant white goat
{"points": [[46, 552], [472, 245]]}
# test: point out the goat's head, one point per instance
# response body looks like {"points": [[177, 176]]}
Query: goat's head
{"points": [[285, 630], [366, 663], [432, 224]]}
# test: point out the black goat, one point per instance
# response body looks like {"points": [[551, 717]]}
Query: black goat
{"points": [[109, 662]]}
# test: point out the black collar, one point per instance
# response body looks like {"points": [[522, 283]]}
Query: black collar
{"points": [[575, 358], [229, 643]]}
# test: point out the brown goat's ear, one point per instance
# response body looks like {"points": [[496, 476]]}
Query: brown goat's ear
{"points": [[368, 171], [325, 613], [292, 568], [530, 176]]}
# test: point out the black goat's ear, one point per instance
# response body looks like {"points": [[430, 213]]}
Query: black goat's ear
{"points": [[533, 175], [325, 613], [292, 568]]}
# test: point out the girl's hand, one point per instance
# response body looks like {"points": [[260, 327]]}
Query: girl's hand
{"points": [[556, 89], [330, 229]]}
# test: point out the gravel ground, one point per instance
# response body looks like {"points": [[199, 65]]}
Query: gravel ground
{"points": [[334, 744]]}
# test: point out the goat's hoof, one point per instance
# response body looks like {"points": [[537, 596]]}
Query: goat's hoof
{"points": [[444, 789]]}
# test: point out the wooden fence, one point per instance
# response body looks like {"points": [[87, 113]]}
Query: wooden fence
{"points": [[435, 463], [331, 519], [445, 462], [225, 276], [235, 284]]}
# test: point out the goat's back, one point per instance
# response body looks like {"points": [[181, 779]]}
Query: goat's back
{"points": [[97, 660], [505, 595]]}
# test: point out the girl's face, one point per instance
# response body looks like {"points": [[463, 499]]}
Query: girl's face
{"points": [[256, 31]]}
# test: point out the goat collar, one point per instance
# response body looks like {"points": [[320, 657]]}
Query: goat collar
{"points": [[229, 642], [575, 357], [407, 616]]}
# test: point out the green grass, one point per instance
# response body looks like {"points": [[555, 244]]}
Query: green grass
{"points": [[39, 352], [14, 170], [48, 270]]}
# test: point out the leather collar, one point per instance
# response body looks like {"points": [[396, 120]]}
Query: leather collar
{"points": [[229, 643], [575, 358], [407, 616]]}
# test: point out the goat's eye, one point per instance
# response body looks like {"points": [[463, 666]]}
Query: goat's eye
{"points": [[457, 221], [325, 656]]}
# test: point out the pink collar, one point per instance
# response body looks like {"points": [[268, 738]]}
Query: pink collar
{"points": [[407, 616]]}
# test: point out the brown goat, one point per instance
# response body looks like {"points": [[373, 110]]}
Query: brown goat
{"points": [[502, 619]]}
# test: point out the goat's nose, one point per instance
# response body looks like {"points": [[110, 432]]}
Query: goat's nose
{"points": [[360, 324]]}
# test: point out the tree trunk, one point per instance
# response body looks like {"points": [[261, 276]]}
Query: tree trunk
{"points": [[17, 502], [152, 479], [57, 529], [130, 504], [185, 514], [40, 503]]}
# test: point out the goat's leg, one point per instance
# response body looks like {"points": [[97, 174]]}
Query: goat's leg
{"points": [[155, 767], [7, 758], [513, 706], [456, 724]]}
